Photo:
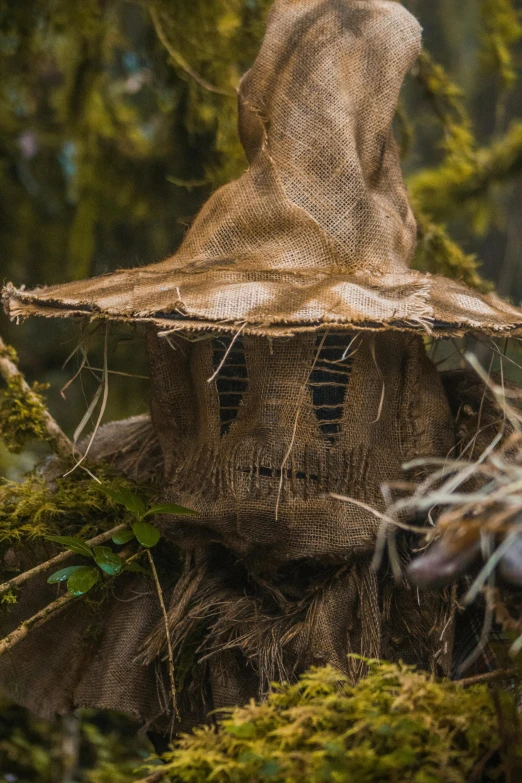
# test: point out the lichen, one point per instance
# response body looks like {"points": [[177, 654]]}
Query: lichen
{"points": [[397, 724], [22, 414]]}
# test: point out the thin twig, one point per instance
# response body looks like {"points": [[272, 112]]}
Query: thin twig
{"points": [[8, 370], [16, 581], [155, 777], [500, 674], [41, 617], [180, 60], [167, 632]]}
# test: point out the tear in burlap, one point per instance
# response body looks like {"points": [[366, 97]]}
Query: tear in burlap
{"points": [[318, 230], [238, 624], [281, 425]]}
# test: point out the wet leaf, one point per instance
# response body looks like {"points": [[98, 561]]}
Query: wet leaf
{"points": [[74, 544], [146, 534], [83, 579], [63, 574], [107, 560], [127, 498], [170, 508], [123, 537]]}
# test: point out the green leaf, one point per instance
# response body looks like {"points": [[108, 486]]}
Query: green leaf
{"points": [[82, 580], [269, 769], [123, 537], [127, 498], [170, 508], [74, 544], [146, 534], [61, 576], [136, 568], [107, 560]]}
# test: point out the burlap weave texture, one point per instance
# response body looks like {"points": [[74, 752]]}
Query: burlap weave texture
{"points": [[318, 230]]}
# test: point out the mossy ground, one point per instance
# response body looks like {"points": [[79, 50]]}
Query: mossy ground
{"points": [[395, 725]]}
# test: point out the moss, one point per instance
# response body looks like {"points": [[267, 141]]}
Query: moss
{"points": [[397, 724], [462, 183], [8, 352], [502, 29], [74, 506], [21, 414], [439, 254]]}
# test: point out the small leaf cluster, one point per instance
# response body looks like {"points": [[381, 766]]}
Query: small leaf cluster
{"points": [[397, 725], [73, 505], [82, 578]]}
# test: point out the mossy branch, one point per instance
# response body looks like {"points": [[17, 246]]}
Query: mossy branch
{"points": [[23, 413], [41, 617], [21, 579], [437, 253], [442, 191]]}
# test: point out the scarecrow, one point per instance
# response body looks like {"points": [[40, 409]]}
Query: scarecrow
{"points": [[286, 341]]}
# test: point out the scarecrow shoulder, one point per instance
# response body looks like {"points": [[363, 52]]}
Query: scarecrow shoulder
{"points": [[477, 413]]}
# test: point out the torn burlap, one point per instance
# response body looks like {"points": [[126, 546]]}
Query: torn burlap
{"points": [[281, 425], [318, 230], [257, 433], [236, 625]]}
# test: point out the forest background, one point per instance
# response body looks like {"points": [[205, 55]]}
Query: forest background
{"points": [[118, 119]]}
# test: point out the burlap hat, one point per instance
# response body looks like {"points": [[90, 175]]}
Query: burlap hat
{"points": [[318, 231]]}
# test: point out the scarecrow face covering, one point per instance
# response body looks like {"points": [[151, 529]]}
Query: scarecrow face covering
{"points": [[284, 423], [308, 377]]}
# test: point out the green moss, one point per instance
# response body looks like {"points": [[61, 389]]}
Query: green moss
{"points": [[437, 253], [8, 352], [462, 183], [502, 29], [395, 725], [21, 414], [75, 505]]}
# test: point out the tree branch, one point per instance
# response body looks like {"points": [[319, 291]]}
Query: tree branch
{"points": [[180, 60], [41, 617], [9, 370], [16, 581], [155, 777]]}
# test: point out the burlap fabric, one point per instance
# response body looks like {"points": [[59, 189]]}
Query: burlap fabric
{"points": [[256, 433], [318, 230], [258, 450], [244, 624]]}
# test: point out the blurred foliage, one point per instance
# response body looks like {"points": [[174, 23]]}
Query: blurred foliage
{"points": [[117, 120], [395, 725], [87, 748]]}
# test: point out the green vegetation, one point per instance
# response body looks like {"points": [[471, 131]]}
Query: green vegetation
{"points": [[22, 415], [396, 725], [117, 119], [75, 505]]}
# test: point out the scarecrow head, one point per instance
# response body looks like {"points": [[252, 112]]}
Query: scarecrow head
{"points": [[286, 334], [309, 374]]}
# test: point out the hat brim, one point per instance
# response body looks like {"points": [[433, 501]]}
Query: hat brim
{"points": [[273, 303]]}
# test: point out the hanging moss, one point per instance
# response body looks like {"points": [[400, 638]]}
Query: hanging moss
{"points": [[462, 184], [395, 725], [439, 254], [21, 414], [502, 29]]}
